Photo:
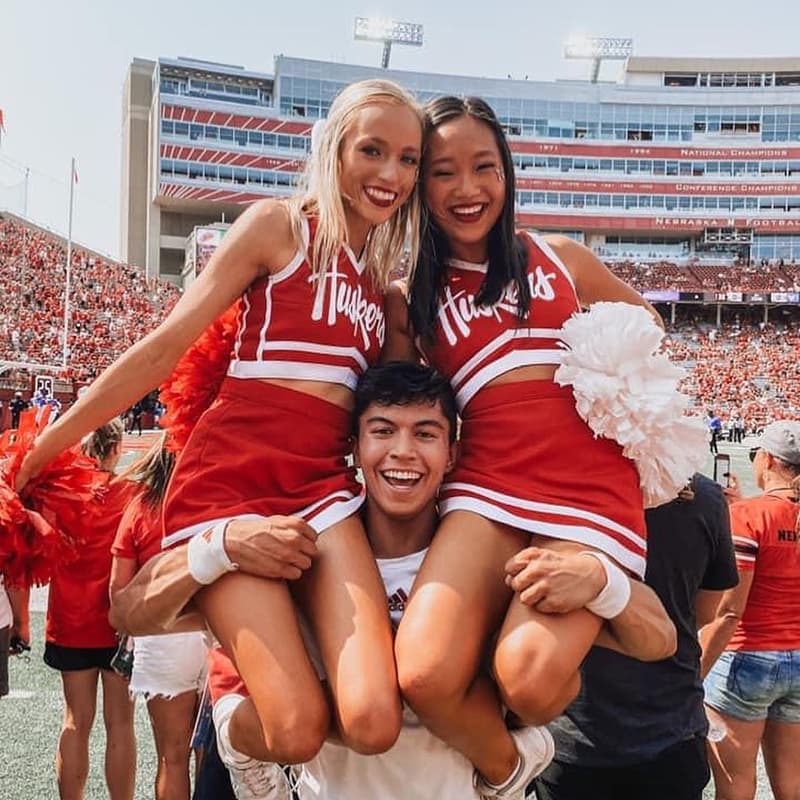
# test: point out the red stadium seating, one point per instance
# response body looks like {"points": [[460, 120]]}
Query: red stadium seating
{"points": [[112, 305], [697, 277], [740, 368]]}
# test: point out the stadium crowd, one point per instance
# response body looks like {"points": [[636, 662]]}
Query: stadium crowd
{"points": [[112, 305], [741, 276], [739, 368]]}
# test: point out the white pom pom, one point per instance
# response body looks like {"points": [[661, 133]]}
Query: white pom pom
{"points": [[317, 130], [627, 391]]}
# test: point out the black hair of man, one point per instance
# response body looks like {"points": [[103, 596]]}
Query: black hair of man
{"points": [[403, 383]]}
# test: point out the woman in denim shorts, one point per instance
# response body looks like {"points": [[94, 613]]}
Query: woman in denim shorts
{"points": [[754, 686]]}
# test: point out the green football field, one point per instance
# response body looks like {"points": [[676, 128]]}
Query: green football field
{"points": [[30, 718]]}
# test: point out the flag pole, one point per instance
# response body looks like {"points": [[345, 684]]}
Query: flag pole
{"points": [[25, 201], [65, 350]]}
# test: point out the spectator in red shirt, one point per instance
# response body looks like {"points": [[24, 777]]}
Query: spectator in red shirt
{"points": [[754, 687], [168, 670], [80, 643]]}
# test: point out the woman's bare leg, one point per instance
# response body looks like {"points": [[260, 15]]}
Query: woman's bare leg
{"points": [[459, 599], [345, 601], [286, 718], [781, 746], [537, 659], [72, 755], [733, 759], [120, 738], [172, 720]]}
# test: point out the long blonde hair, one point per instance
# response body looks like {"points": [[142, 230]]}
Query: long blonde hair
{"points": [[100, 444], [152, 470], [321, 196]]}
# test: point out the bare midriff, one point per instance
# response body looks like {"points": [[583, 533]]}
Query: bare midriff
{"points": [[334, 393], [539, 372]]}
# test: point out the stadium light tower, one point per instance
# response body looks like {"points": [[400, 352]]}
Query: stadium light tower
{"points": [[598, 49], [388, 31]]}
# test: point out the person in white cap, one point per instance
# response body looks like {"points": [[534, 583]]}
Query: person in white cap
{"points": [[754, 686]]}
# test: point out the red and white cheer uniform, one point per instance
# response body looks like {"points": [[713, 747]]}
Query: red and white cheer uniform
{"points": [[527, 459], [262, 449]]}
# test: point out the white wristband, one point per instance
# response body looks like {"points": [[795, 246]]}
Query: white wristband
{"points": [[614, 597], [206, 555]]}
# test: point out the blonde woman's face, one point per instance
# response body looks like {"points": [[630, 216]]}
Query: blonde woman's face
{"points": [[379, 160]]}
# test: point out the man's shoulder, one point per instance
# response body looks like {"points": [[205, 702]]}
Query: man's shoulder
{"points": [[707, 492]]}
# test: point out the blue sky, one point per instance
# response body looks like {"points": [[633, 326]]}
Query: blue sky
{"points": [[62, 64]]}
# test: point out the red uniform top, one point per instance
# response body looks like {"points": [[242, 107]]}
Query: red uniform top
{"points": [[78, 603], [767, 544], [329, 330], [473, 345], [139, 532]]}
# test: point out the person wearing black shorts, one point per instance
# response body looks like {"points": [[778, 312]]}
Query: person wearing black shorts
{"points": [[75, 659], [80, 642]]}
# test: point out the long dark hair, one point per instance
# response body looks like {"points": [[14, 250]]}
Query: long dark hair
{"points": [[507, 255]]}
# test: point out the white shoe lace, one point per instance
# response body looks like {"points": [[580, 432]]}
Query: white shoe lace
{"points": [[259, 781]]}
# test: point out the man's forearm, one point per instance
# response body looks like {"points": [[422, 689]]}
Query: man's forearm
{"points": [[156, 600], [643, 630], [714, 638]]}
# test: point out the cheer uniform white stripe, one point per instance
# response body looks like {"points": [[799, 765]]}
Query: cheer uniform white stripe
{"points": [[506, 336], [517, 358], [321, 349], [576, 532], [296, 370], [540, 242], [320, 516], [548, 508]]}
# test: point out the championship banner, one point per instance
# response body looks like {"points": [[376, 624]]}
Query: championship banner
{"points": [[567, 219], [638, 150], [627, 186]]}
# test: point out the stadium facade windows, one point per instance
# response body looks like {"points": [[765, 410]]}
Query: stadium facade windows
{"points": [[574, 120], [659, 167], [775, 248], [633, 202], [225, 92], [247, 139], [218, 173]]}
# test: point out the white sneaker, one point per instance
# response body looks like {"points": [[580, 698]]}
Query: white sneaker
{"points": [[250, 779], [536, 749], [258, 780]]}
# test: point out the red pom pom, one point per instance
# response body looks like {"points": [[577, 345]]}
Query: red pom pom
{"points": [[44, 524], [197, 377]]}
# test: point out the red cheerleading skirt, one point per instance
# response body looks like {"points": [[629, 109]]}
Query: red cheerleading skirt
{"points": [[259, 450], [529, 461]]}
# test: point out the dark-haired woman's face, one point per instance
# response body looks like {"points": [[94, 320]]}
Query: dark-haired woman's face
{"points": [[464, 185]]}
